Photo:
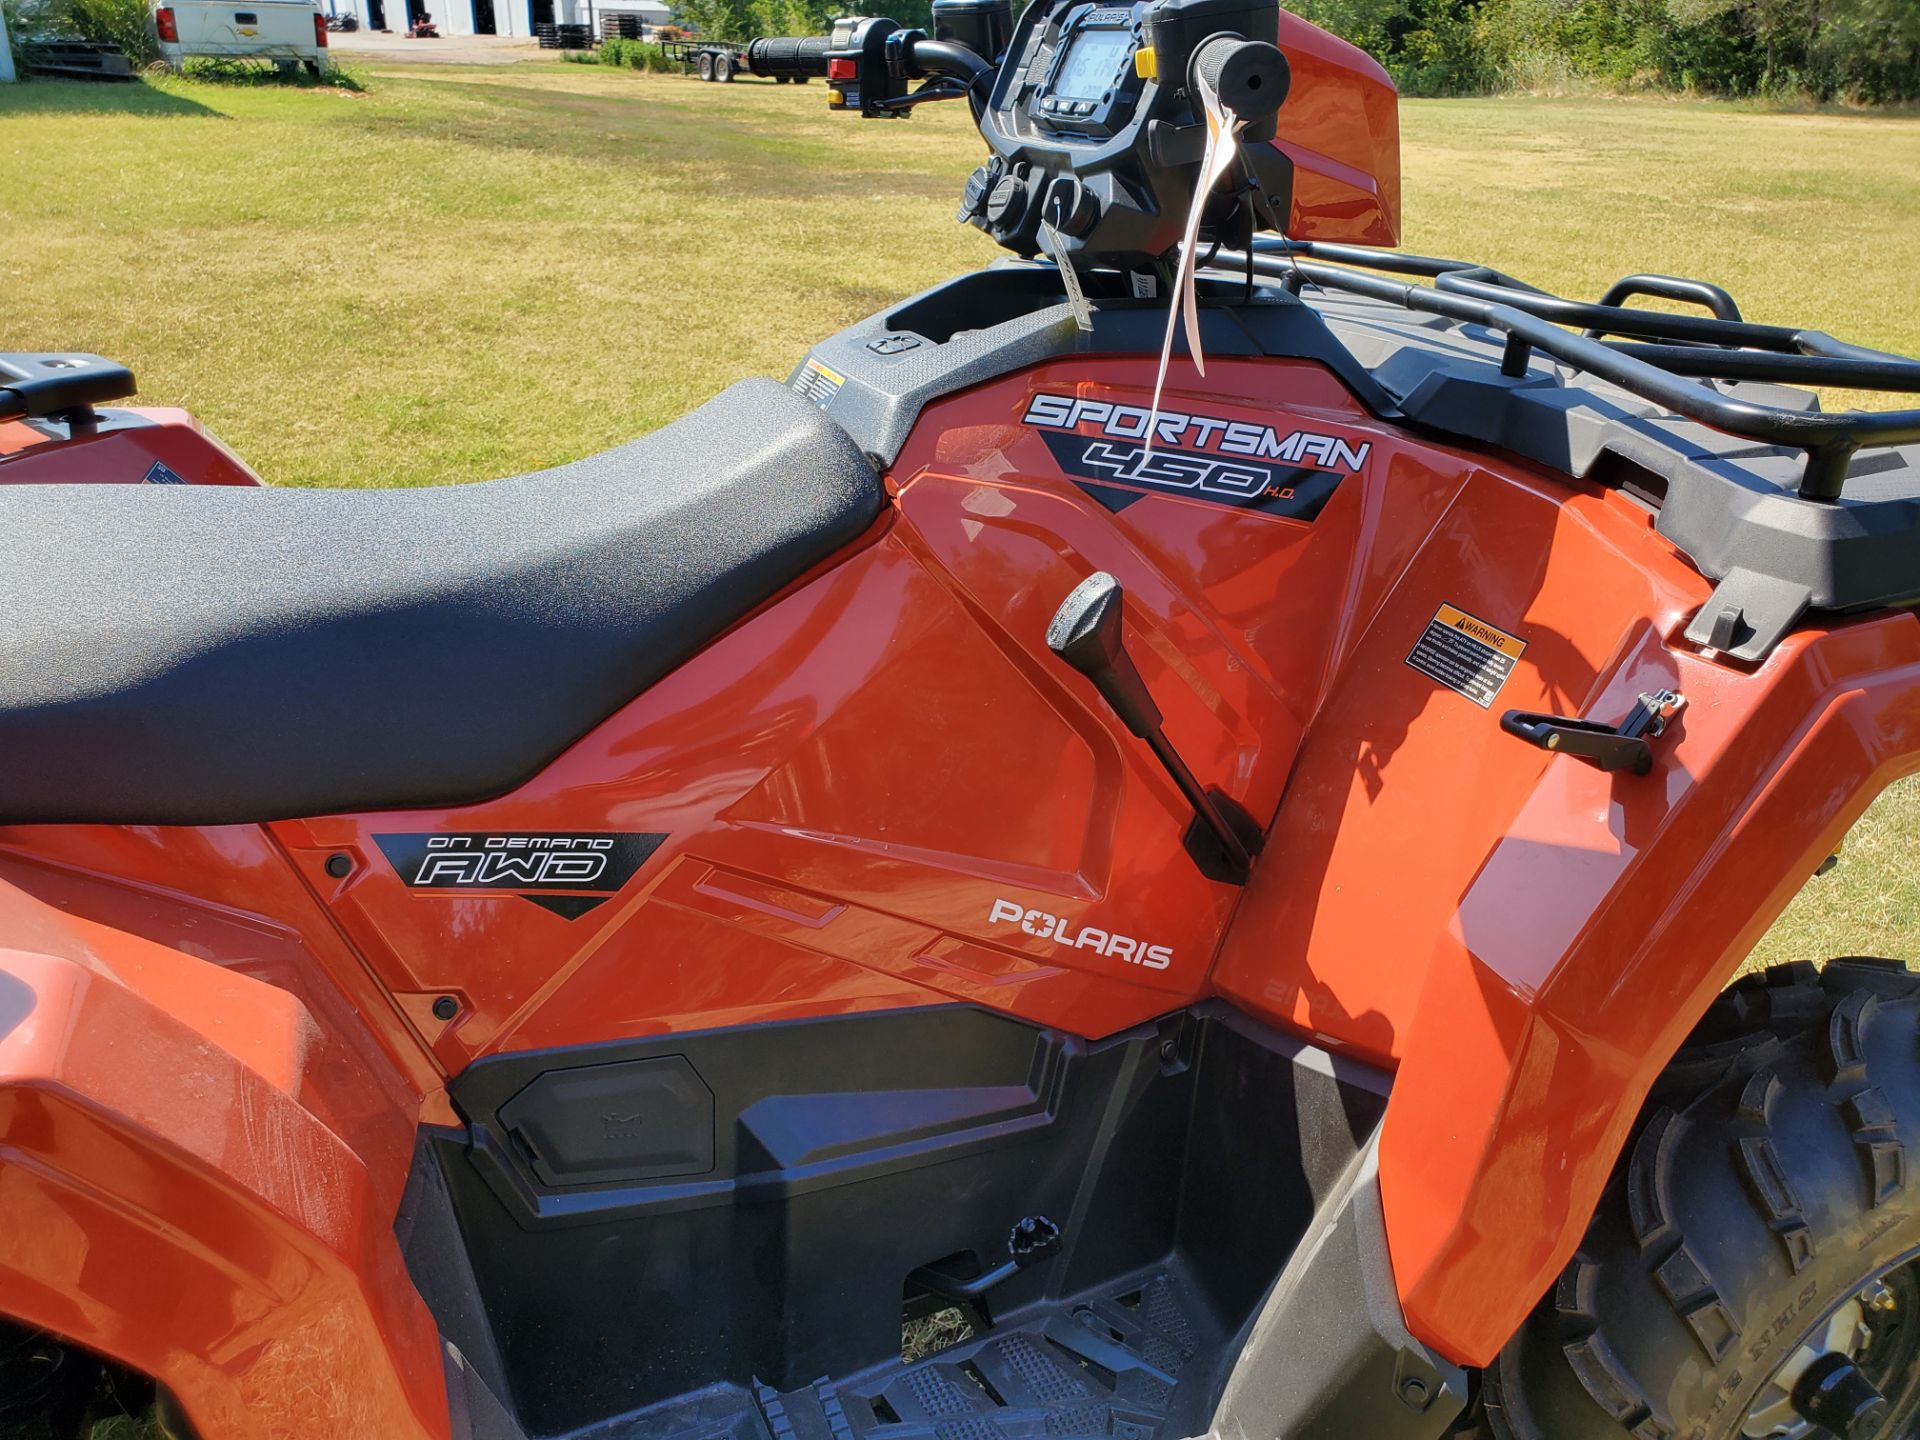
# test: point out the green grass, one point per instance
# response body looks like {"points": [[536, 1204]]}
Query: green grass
{"points": [[1868, 904], [466, 272]]}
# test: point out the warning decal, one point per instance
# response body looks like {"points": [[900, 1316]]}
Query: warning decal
{"points": [[819, 383], [1466, 654]]}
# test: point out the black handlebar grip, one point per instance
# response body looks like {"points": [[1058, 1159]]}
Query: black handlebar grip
{"points": [[792, 55], [1251, 78]]}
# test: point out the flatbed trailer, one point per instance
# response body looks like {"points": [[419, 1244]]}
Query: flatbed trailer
{"points": [[782, 61]]}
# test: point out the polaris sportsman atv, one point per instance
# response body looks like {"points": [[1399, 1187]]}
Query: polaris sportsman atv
{"points": [[1217, 903]]}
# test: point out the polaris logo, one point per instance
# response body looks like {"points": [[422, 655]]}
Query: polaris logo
{"points": [[1043, 926], [589, 867], [1310, 448]]}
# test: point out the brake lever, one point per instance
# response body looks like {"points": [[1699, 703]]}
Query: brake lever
{"points": [[940, 88]]}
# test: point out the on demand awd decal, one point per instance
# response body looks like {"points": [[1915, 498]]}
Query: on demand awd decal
{"points": [[1204, 457], [568, 874]]}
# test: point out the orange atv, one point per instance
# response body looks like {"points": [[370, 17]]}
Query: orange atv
{"points": [[966, 896]]}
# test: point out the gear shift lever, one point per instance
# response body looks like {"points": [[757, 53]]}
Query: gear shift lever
{"points": [[1086, 634]]}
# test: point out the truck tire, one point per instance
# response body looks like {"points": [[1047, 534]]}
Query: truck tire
{"points": [[1759, 1241], [704, 65], [723, 69]]}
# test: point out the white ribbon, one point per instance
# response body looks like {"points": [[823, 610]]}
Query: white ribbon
{"points": [[1223, 144]]}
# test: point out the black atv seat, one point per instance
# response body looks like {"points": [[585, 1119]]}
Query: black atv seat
{"points": [[204, 654]]}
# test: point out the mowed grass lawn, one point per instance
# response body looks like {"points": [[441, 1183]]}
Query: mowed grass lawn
{"points": [[461, 273]]}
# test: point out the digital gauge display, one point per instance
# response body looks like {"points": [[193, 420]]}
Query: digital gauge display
{"points": [[1093, 64]]}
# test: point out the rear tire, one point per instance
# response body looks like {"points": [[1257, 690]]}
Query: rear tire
{"points": [[703, 67], [723, 69], [1764, 1207]]}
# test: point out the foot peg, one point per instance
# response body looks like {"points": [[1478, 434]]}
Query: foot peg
{"points": [[1086, 634], [1032, 1240]]}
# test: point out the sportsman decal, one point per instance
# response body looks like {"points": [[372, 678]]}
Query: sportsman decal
{"points": [[568, 874], [1205, 457]]}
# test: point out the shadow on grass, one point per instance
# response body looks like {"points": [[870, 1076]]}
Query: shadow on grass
{"points": [[38, 95], [738, 151], [260, 73]]}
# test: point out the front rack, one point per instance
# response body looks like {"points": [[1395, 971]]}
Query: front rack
{"points": [[1661, 357]]}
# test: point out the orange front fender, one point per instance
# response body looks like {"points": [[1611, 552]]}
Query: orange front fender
{"points": [[172, 1194]]}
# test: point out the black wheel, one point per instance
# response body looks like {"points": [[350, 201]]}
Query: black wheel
{"points": [[704, 67], [780, 79], [723, 69], [1753, 1271], [801, 79]]}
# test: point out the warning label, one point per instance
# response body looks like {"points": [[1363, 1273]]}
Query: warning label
{"points": [[1466, 654], [819, 383]]}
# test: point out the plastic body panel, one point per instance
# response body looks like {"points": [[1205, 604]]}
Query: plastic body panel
{"points": [[852, 781], [855, 776], [1524, 938], [1341, 128], [852, 1150], [201, 1149], [129, 447]]}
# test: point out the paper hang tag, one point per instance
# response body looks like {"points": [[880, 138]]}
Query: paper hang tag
{"points": [[1070, 277], [1223, 135]]}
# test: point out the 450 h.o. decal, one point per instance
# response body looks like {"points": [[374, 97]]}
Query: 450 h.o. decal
{"points": [[1204, 457], [568, 874]]}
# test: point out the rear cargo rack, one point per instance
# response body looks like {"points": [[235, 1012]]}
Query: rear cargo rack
{"points": [[1685, 349]]}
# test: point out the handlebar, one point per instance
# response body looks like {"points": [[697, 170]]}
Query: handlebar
{"points": [[1093, 112], [792, 55], [811, 55], [946, 57], [1251, 77]]}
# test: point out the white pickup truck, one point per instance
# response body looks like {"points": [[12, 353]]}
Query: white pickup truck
{"points": [[287, 32]]}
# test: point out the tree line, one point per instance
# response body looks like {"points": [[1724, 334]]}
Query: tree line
{"points": [[750, 19], [1857, 50]]}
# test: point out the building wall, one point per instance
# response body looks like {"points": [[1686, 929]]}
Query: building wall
{"points": [[510, 17]]}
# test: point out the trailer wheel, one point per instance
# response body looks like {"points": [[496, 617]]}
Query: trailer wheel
{"points": [[781, 79], [801, 79], [704, 65], [723, 69], [1753, 1270]]}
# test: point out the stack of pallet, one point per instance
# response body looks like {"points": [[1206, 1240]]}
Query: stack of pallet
{"points": [[564, 37], [615, 26], [78, 60]]}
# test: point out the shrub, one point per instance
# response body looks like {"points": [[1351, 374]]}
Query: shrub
{"points": [[1859, 50], [634, 55], [114, 22], [122, 23]]}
